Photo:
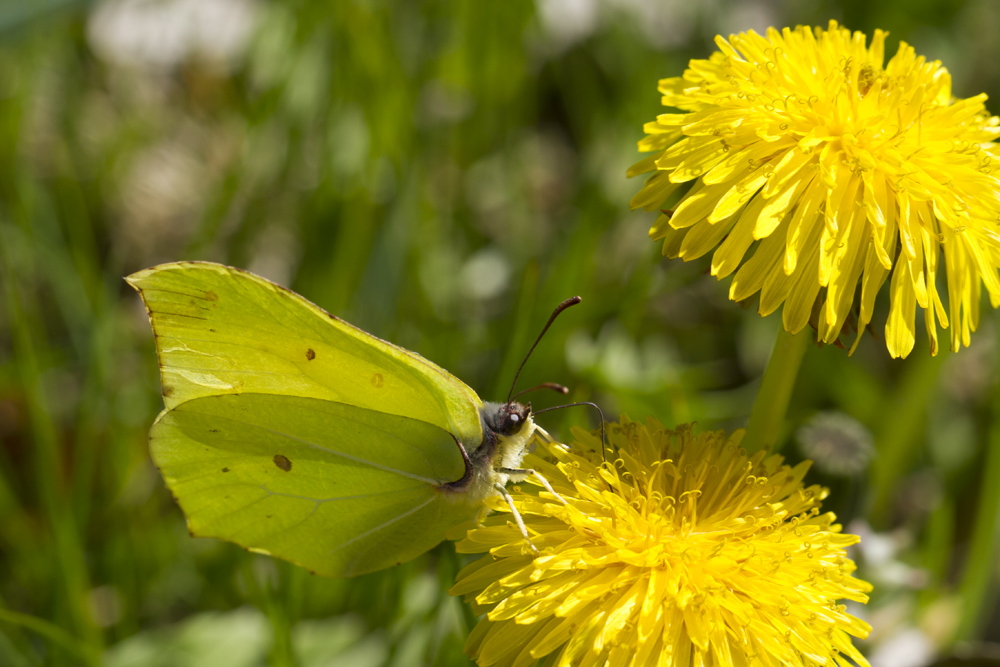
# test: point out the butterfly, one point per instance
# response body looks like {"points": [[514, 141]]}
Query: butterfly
{"points": [[295, 434]]}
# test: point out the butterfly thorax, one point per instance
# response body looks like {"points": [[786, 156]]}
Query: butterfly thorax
{"points": [[507, 431]]}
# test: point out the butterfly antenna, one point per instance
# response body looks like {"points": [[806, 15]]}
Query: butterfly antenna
{"points": [[555, 313], [604, 442], [545, 385]]}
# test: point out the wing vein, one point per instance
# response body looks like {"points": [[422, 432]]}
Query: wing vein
{"points": [[355, 459], [384, 524], [336, 498], [174, 367], [170, 291]]}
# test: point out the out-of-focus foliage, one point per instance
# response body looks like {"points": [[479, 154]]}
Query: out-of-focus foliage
{"points": [[441, 174]]}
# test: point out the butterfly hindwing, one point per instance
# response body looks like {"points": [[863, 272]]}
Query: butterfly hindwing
{"points": [[338, 489]]}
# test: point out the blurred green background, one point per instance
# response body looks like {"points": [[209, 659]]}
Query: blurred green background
{"points": [[441, 174]]}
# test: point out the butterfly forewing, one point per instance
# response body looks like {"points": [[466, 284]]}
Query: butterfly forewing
{"points": [[220, 330]]}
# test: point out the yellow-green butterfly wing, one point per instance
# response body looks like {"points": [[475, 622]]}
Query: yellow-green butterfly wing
{"points": [[338, 489], [290, 432], [220, 330]]}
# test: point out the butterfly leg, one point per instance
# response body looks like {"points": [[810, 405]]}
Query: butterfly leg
{"points": [[481, 514], [524, 472], [517, 516]]}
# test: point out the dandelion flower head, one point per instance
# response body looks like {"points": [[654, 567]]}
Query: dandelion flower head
{"points": [[839, 170], [681, 550]]}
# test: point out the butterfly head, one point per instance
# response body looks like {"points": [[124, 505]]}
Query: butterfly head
{"points": [[506, 419]]}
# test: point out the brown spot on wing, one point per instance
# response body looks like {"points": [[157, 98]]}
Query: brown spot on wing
{"points": [[310, 355], [225, 470], [282, 462], [211, 296], [167, 390], [377, 380]]}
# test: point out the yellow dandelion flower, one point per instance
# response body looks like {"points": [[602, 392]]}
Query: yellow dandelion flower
{"points": [[681, 552], [841, 169]]}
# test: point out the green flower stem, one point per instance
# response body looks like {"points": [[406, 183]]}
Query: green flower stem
{"points": [[978, 581], [771, 404], [901, 432]]}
